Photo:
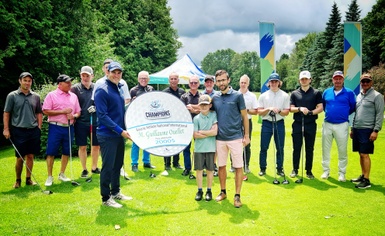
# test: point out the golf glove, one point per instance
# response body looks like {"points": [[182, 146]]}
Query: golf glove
{"points": [[91, 109]]}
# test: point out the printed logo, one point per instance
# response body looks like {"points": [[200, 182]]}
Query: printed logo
{"points": [[157, 111]]}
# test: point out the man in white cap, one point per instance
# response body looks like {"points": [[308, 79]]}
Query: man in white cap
{"points": [[306, 104], [84, 91]]}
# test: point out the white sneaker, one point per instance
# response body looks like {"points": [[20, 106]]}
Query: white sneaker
{"points": [[342, 178], [111, 203], [247, 170], [325, 175], [49, 181], [232, 170], [63, 177], [122, 172], [121, 196]]}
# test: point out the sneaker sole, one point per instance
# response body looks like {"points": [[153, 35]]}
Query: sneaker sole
{"points": [[364, 187]]}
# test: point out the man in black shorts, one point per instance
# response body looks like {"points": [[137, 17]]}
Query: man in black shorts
{"points": [[366, 125], [22, 124]]}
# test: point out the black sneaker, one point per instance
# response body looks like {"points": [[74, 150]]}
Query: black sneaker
{"points": [[134, 168], [186, 172], [178, 166], [96, 171], [294, 173], [262, 172], [148, 165], [84, 174], [168, 168], [358, 179], [280, 172], [309, 175], [365, 183], [208, 196], [198, 196]]}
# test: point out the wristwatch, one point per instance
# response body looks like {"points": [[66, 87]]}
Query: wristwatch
{"points": [[310, 113]]}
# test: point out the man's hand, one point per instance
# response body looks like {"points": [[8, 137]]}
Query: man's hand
{"points": [[91, 109]]}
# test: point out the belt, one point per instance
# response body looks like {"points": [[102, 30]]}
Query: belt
{"points": [[58, 124]]}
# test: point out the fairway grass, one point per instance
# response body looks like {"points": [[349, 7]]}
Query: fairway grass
{"points": [[165, 205]]}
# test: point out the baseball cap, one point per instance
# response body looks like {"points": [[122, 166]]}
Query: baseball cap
{"points": [[107, 61], [87, 70], [338, 73], [209, 77], [64, 78], [204, 99], [274, 76], [114, 66], [366, 76], [304, 74], [25, 74]]}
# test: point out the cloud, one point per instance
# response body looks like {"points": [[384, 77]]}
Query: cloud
{"points": [[207, 26]]}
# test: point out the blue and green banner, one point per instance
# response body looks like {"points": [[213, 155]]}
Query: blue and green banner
{"points": [[352, 55], [267, 52]]}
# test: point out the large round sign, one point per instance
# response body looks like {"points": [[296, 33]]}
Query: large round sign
{"points": [[159, 123]]}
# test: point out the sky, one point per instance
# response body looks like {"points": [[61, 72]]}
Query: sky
{"points": [[206, 26]]}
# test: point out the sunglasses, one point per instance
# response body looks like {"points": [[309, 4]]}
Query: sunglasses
{"points": [[193, 82], [365, 81]]}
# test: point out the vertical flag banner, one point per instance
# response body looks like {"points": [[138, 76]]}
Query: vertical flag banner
{"points": [[267, 52], [352, 55]]}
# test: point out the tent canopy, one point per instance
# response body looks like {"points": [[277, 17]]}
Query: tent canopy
{"points": [[185, 67]]}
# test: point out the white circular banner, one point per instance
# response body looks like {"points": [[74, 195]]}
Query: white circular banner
{"points": [[159, 123]]}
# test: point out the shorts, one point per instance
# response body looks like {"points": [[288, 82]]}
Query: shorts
{"points": [[361, 142], [82, 133], [27, 141], [204, 160], [236, 150], [58, 136]]}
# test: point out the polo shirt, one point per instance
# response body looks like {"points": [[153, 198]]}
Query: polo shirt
{"points": [[189, 98], [84, 96], [279, 99], [205, 122], [228, 107], [369, 110], [23, 108], [251, 101], [177, 93], [308, 99], [338, 107]]}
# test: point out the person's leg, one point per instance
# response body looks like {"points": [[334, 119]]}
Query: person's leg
{"points": [[266, 133], [222, 153], [50, 161], [365, 164], [327, 139], [29, 164], [199, 179], [146, 157], [310, 133], [82, 152], [341, 133], [236, 150], [118, 162], [175, 160], [248, 147], [167, 161], [297, 143], [280, 143], [186, 157], [95, 156], [108, 152], [134, 154], [18, 169]]}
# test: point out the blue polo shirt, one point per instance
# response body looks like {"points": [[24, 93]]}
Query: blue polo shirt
{"points": [[228, 107], [338, 107]]}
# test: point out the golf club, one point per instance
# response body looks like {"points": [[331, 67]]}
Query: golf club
{"points": [[37, 183], [192, 166], [285, 181], [89, 179], [272, 114], [73, 182], [300, 180], [245, 178], [124, 174]]}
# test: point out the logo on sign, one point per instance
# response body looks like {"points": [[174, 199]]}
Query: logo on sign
{"points": [[157, 111]]}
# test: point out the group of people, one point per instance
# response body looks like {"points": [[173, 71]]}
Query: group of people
{"points": [[222, 126]]}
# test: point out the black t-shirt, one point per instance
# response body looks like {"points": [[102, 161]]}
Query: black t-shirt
{"points": [[308, 99]]}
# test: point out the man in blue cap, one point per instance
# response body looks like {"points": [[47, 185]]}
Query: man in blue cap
{"points": [[273, 106], [111, 135]]}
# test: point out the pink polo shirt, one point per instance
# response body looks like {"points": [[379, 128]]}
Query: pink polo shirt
{"points": [[59, 100]]}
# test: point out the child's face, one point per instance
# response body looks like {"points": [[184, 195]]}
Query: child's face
{"points": [[205, 107]]}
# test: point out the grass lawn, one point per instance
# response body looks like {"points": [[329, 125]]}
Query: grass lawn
{"points": [[165, 205]]}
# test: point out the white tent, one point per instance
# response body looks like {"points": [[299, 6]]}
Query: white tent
{"points": [[185, 67]]}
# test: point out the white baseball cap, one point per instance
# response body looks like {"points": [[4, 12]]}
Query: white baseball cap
{"points": [[304, 74]]}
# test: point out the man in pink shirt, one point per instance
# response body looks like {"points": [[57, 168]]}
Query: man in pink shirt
{"points": [[62, 108]]}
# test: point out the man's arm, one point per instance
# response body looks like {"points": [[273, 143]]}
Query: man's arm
{"points": [[6, 118], [245, 120]]}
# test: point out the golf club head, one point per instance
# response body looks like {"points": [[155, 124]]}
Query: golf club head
{"points": [[89, 180], [191, 176], [285, 181], [299, 181], [48, 192], [74, 183], [152, 175], [127, 178], [275, 181]]}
